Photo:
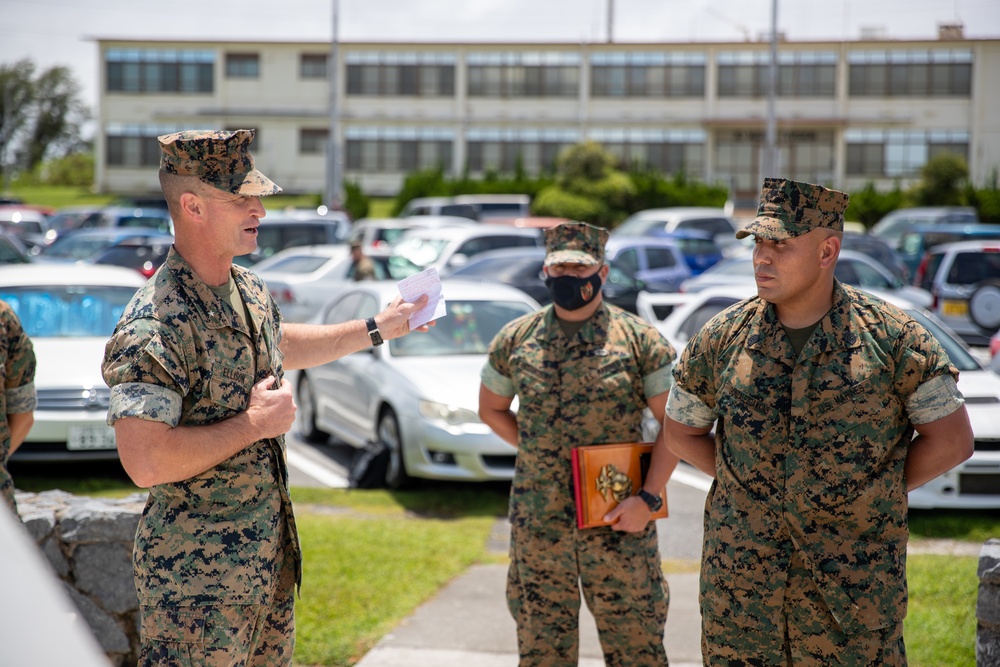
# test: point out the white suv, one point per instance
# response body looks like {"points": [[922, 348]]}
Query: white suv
{"points": [[964, 279]]}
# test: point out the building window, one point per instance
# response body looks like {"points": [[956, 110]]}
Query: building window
{"points": [[312, 141], [312, 65], [401, 74], [507, 150], [669, 151], [800, 74], [397, 150], [641, 74], [242, 65], [502, 74], [899, 153], [134, 145], [159, 71], [938, 73]]}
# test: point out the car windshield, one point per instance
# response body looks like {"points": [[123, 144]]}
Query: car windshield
{"points": [[414, 254], [77, 247], [64, 311], [467, 328], [298, 264]]}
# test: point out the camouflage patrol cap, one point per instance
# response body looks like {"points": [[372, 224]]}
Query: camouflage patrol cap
{"points": [[220, 158], [575, 243], [791, 208]]}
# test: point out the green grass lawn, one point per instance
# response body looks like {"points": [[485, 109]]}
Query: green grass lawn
{"points": [[940, 628]]}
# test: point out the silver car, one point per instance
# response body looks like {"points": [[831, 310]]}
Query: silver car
{"points": [[418, 394]]}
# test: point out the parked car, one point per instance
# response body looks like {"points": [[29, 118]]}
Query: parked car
{"points": [[278, 231], [447, 248], [995, 353], [879, 250], [27, 224], [69, 218], [699, 249], [918, 241], [652, 221], [12, 251], [488, 207], [974, 484], [144, 255], [132, 216], [894, 224], [657, 262], [853, 268], [377, 234], [418, 394], [69, 312], [84, 245], [964, 281], [303, 278], [438, 206], [522, 268]]}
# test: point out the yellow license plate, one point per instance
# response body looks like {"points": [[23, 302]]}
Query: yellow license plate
{"points": [[955, 308]]}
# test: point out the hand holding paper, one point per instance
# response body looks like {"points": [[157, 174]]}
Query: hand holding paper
{"points": [[426, 282]]}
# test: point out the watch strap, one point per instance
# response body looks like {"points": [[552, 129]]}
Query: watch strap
{"points": [[373, 332], [654, 503]]}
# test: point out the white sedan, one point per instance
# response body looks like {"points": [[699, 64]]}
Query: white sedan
{"points": [[302, 278], [973, 484], [69, 312], [419, 394]]}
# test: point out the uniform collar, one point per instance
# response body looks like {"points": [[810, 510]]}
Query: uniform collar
{"points": [[593, 330], [215, 312], [836, 331]]}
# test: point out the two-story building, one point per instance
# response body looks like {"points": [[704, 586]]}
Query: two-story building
{"points": [[847, 112]]}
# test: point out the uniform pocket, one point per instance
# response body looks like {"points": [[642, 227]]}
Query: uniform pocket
{"points": [[172, 637], [230, 386]]}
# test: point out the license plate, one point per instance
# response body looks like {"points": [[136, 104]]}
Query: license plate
{"points": [[954, 308], [90, 437]]}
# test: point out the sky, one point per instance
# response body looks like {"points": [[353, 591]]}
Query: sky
{"points": [[62, 32]]}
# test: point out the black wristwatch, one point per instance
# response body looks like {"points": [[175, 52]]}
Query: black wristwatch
{"points": [[654, 503], [373, 332]]}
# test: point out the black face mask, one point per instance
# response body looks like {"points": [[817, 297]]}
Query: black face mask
{"points": [[571, 293]]}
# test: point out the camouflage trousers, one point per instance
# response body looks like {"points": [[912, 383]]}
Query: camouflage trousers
{"points": [[802, 634], [220, 635], [622, 583]]}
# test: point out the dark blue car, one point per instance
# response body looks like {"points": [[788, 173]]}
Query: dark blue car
{"points": [[699, 248]]}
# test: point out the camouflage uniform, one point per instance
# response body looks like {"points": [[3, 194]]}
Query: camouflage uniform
{"points": [[804, 558], [216, 556], [364, 269], [586, 390], [17, 359]]}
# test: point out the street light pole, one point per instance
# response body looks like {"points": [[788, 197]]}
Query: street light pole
{"points": [[769, 163], [333, 197]]}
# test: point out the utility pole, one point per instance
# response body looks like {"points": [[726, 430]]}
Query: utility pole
{"points": [[611, 20], [769, 161], [333, 196]]}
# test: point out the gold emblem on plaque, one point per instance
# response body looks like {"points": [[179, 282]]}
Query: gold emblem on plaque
{"points": [[614, 481]]}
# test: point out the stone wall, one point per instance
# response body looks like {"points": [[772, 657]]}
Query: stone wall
{"points": [[88, 543], [988, 606]]}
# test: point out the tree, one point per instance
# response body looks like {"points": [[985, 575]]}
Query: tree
{"points": [[40, 116], [588, 187], [941, 180]]}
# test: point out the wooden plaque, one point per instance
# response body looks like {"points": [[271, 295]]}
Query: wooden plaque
{"points": [[600, 472]]}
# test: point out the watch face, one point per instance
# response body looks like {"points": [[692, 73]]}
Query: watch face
{"points": [[376, 337]]}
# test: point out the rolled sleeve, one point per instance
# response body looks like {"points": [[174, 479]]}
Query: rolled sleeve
{"points": [[145, 401], [658, 382], [499, 384], [934, 399], [21, 399], [686, 408]]}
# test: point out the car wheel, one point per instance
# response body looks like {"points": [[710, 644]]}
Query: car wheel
{"points": [[388, 434], [305, 416], [984, 305]]}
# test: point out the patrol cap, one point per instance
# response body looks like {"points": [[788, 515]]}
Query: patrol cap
{"points": [[219, 158], [575, 243], [791, 208]]}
